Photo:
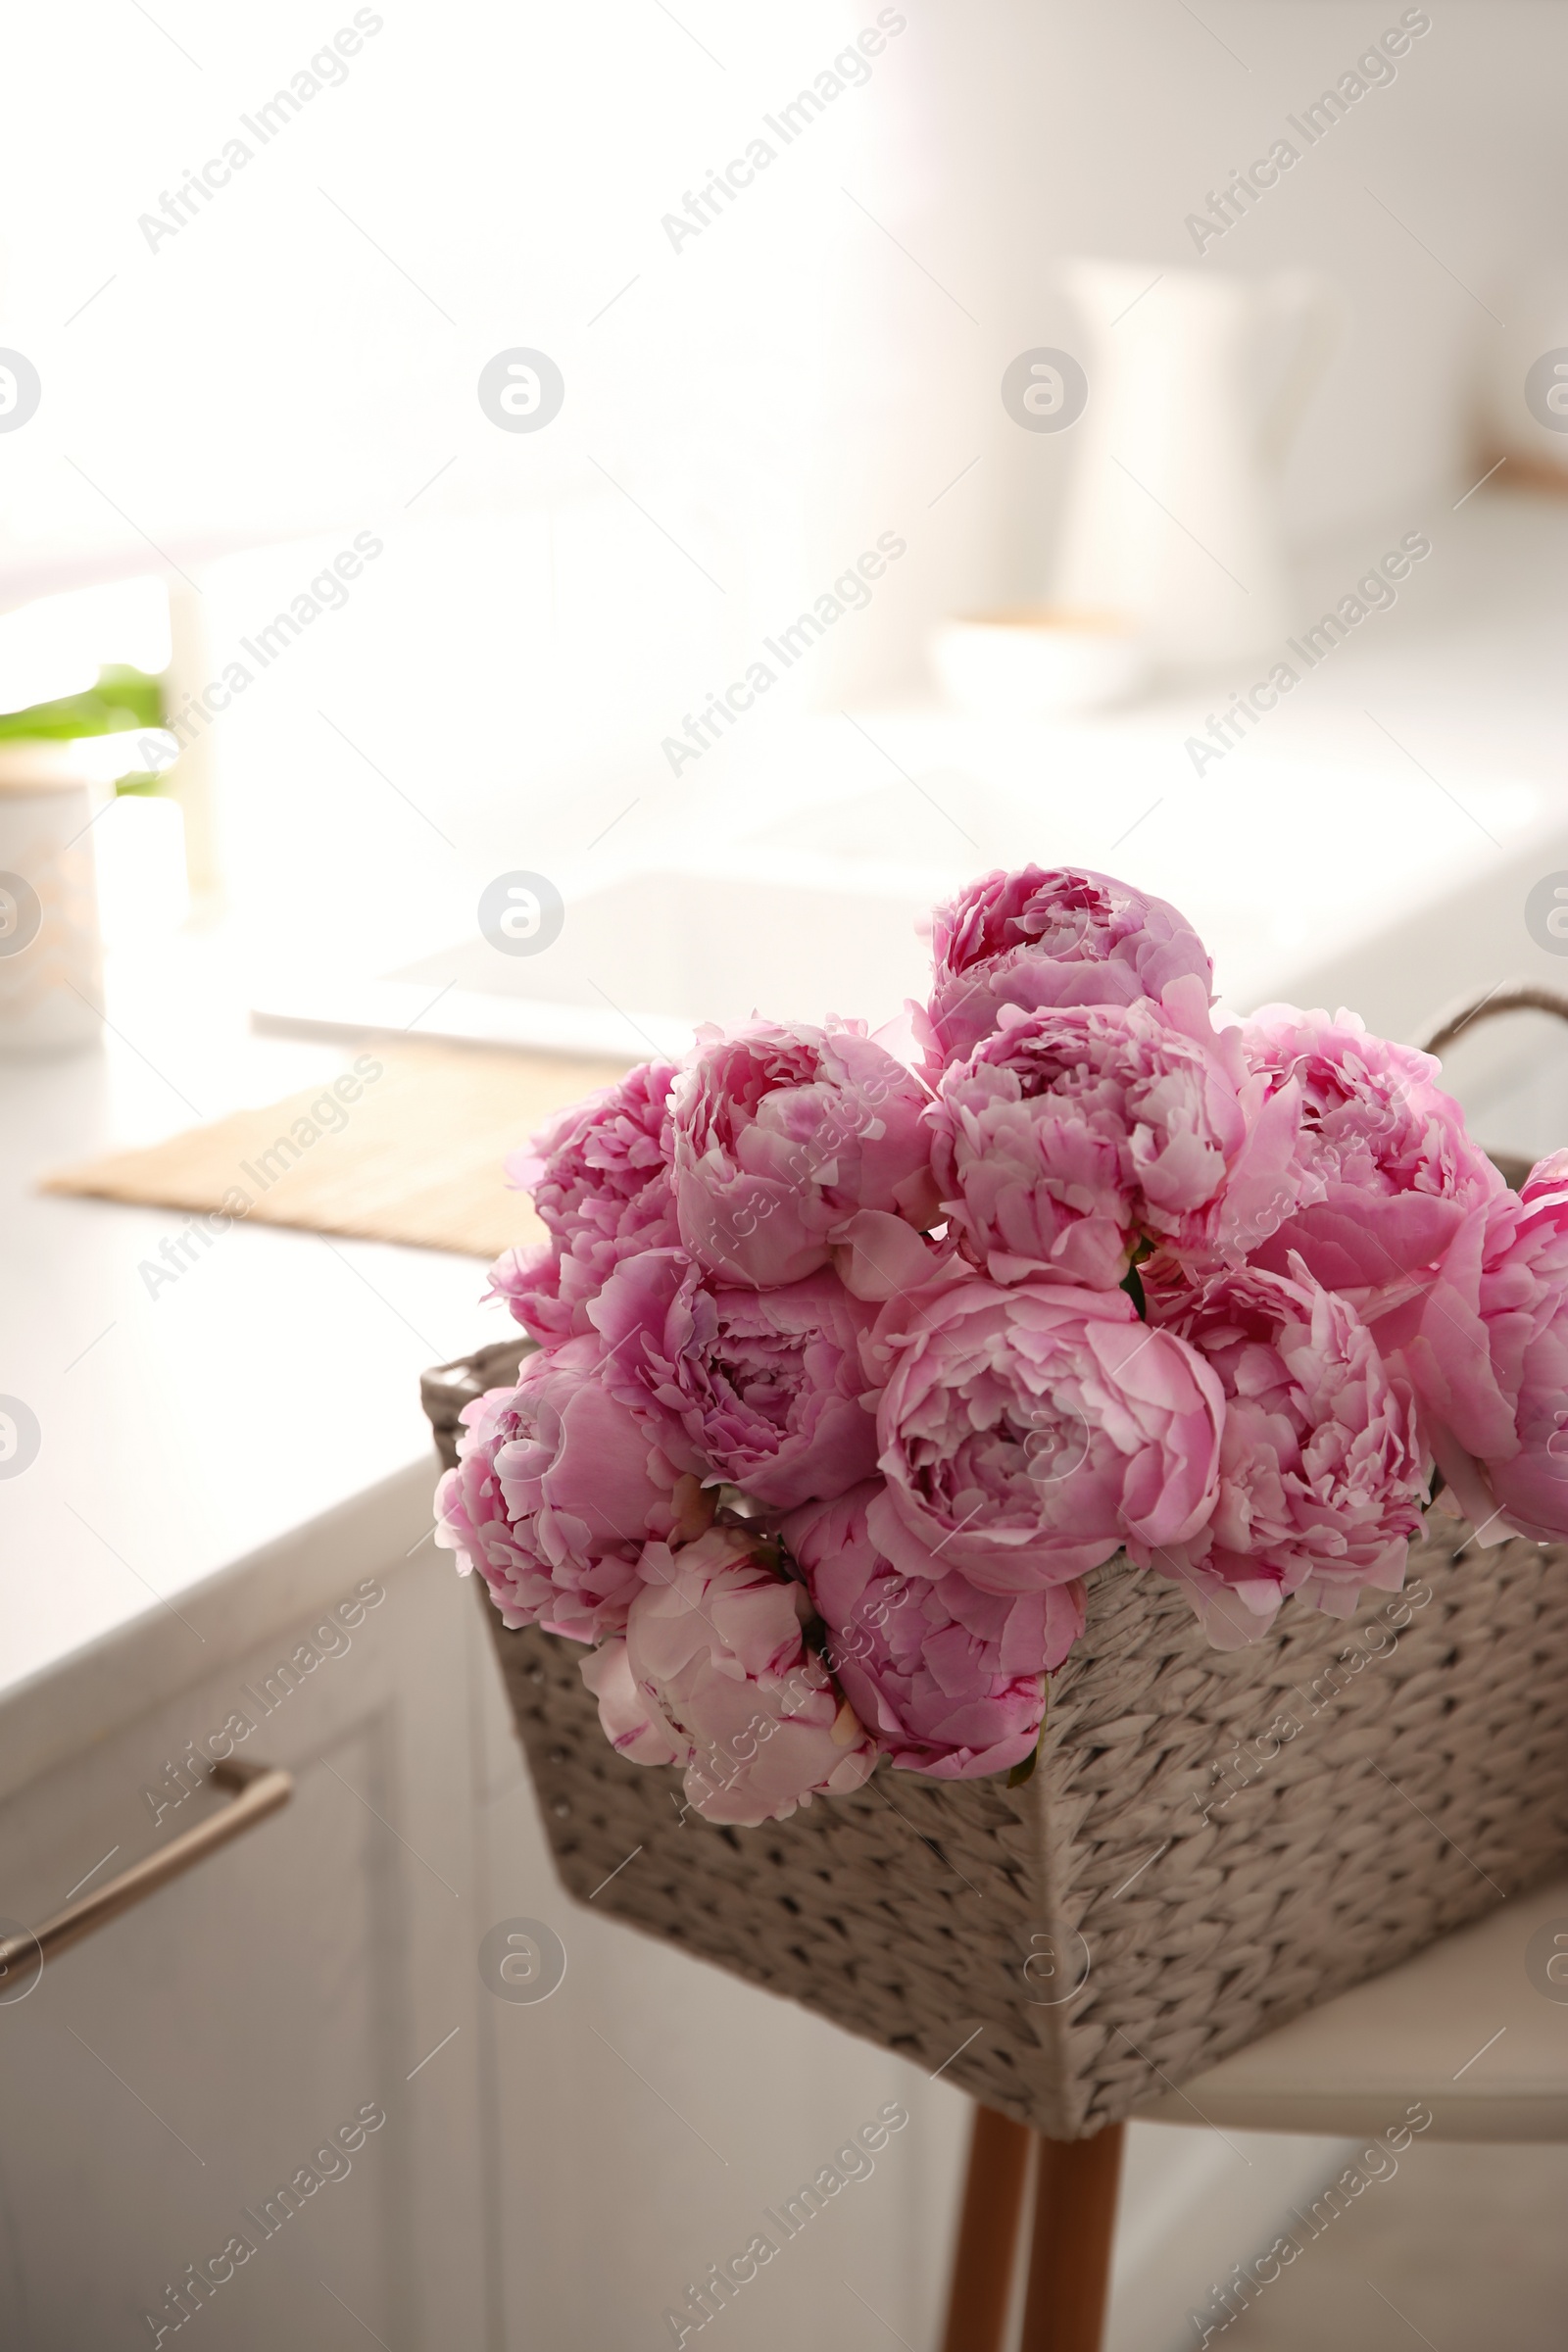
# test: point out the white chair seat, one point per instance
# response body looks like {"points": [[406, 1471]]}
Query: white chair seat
{"points": [[1462, 2028]]}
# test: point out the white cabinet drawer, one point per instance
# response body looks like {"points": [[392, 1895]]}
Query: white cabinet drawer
{"points": [[190, 2095]]}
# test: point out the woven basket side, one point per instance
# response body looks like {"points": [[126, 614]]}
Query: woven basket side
{"points": [[1239, 1836], [1425, 1779], [866, 1908], [1222, 1839]]}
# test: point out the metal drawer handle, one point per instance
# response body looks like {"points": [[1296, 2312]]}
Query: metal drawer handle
{"points": [[259, 1789]]}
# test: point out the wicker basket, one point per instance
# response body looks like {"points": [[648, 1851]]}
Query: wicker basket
{"points": [[1211, 1843], [1184, 1871]]}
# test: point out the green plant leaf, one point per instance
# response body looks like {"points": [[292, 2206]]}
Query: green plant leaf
{"points": [[122, 697]]}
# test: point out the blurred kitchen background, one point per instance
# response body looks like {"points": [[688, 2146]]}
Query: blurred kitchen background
{"points": [[319, 382], [237, 387]]}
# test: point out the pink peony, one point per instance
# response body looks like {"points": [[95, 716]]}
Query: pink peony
{"points": [[1057, 936], [878, 1257], [1072, 1134], [781, 1135], [1384, 1168], [1028, 1434], [558, 1487], [767, 1385], [949, 1681], [712, 1675], [1487, 1350], [599, 1175], [1321, 1474]]}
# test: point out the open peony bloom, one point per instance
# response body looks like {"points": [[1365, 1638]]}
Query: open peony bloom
{"points": [[949, 1681], [781, 1135], [712, 1675], [600, 1178], [1071, 1135], [558, 1487], [1321, 1473], [1058, 935], [1487, 1350], [767, 1385], [1382, 1148], [1027, 1433]]}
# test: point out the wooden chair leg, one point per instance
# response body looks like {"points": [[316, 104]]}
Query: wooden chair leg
{"points": [[988, 2233], [1069, 2258]]}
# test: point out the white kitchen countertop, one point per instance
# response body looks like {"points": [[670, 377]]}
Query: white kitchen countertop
{"points": [[1373, 840], [184, 1431]]}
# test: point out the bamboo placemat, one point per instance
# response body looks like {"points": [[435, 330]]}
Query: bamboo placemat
{"points": [[417, 1159]]}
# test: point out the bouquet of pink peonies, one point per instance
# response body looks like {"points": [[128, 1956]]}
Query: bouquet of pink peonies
{"points": [[853, 1363]]}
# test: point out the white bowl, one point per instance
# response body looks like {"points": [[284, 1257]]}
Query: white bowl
{"points": [[1038, 665]]}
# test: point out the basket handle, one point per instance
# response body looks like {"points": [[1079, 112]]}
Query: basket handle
{"points": [[1518, 998]]}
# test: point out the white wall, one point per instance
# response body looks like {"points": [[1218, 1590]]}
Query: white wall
{"points": [[1019, 134], [751, 412]]}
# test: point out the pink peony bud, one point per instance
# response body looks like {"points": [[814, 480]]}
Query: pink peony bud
{"points": [[949, 1681], [1049, 936], [1028, 1434], [558, 1487], [1487, 1350], [599, 1175], [1384, 1169], [767, 1385], [713, 1674], [1071, 1135], [1322, 1476], [781, 1135]]}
